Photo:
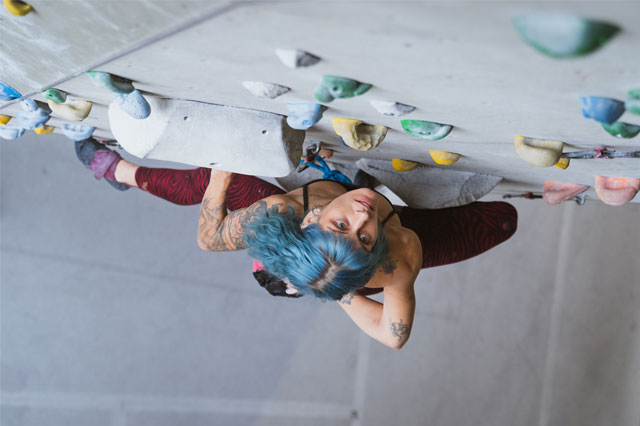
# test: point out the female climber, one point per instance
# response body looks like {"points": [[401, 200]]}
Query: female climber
{"points": [[334, 240]]}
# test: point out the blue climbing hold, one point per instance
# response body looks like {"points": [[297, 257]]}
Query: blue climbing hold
{"points": [[77, 132], [10, 132], [604, 110], [33, 115], [134, 104], [304, 115], [8, 93]]}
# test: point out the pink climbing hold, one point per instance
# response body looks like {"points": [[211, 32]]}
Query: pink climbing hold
{"points": [[559, 192], [616, 191]]}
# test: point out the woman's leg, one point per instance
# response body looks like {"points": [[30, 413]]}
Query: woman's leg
{"points": [[457, 233], [187, 187]]}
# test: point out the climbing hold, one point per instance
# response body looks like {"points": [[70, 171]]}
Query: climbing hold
{"points": [[563, 36], [359, 135], [8, 93], [304, 115], [11, 132], [4, 119], [616, 191], [134, 104], [333, 87], [622, 130], [56, 95], [633, 102], [539, 152], [558, 192], [17, 7], [604, 110], [44, 129], [296, 58], [431, 187], [427, 130], [265, 90], [222, 137], [562, 163], [111, 82], [32, 115], [403, 165], [444, 158], [77, 132], [71, 109], [394, 109]]}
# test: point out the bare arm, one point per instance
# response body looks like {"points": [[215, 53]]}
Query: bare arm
{"points": [[219, 231], [389, 323]]}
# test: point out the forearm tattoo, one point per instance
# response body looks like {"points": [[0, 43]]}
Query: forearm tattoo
{"points": [[400, 329], [347, 298], [220, 231]]}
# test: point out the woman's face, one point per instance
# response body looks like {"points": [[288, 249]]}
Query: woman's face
{"points": [[354, 215]]}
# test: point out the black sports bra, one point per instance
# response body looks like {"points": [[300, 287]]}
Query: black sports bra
{"points": [[348, 187]]}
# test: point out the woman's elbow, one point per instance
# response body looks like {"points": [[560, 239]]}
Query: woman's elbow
{"points": [[396, 344], [203, 245]]}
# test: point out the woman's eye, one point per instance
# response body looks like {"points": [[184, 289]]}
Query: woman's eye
{"points": [[364, 238], [341, 225]]}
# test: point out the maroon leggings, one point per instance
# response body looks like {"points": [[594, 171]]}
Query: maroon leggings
{"points": [[446, 235]]}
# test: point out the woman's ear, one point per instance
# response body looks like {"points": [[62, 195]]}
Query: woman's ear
{"points": [[312, 217]]}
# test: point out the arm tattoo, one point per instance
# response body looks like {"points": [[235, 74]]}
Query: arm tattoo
{"points": [[346, 300], [224, 232], [389, 265], [400, 329]]}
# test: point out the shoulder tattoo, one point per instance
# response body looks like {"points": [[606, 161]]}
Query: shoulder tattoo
{"points": [[389, 265], [346, 299]]}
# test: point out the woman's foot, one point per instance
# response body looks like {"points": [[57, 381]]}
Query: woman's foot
{"points": [[100, 160]]}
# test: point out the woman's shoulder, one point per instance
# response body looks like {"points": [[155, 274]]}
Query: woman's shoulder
{"points": [[404, 245], [282, 201]]}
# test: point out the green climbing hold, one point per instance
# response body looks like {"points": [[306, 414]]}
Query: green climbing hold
{"points": [[112, 82], [633, 102], [339, 87], [56, 95], [622, 130], [428, 130], [563, 36]]}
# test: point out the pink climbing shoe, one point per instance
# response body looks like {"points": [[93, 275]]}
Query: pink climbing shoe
{"points": [[616, 191], [559, 192]]}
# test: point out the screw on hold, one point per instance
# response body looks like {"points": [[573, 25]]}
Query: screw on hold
{"points": [[310, 155], [579, 199]]}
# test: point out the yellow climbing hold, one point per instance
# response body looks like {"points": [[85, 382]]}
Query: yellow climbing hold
{"points": [[538, 152], [444, 158], [44, 129], [4, 119], [17, 7], [72, 109], [359, 135], [563, 163], [403, 165]]}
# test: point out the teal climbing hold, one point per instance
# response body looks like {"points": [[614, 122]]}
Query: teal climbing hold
{"points": [[56, 95], [333, 87], [622, 130], [633, 102], [8, 93], [112, 82], [563, 36], [427, 130]]}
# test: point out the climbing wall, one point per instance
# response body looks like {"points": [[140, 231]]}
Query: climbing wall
{"points": [[468, 76]]}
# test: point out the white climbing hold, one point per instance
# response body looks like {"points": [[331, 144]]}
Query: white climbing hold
{"points": [[394, 109], [538, 152], [209, 135], [296, 58], [430, 187], [72, 109], [265, 90]]}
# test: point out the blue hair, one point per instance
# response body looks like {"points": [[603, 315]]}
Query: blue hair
{"points": [[317, 262]]}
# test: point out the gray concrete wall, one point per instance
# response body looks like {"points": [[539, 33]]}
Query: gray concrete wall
{"points": [[112, 316]]}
